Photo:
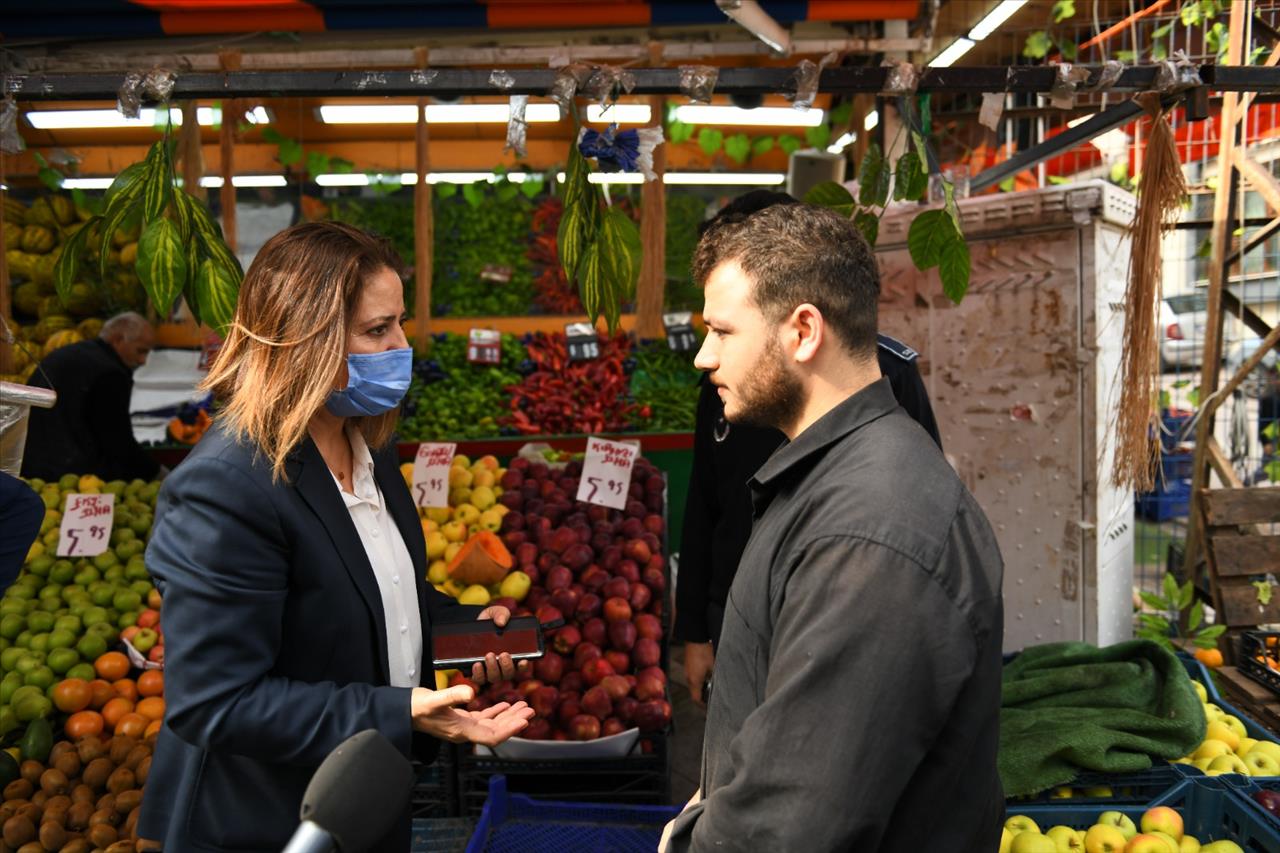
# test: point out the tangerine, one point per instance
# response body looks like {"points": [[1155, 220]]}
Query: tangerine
{"points": [[112, 666], [1211, 658], [132, 725], [114, 710], [127, 688], [84, 723], [151, 683], [152, 707], [72, 695]]}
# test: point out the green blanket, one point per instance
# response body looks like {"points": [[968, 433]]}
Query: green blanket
{"points": [[1072, 707]]}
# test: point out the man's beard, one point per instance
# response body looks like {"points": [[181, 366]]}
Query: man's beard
{"points": [[772, 396]]}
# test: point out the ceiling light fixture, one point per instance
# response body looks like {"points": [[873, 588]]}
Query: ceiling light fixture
{"points": [[147, 117], [758, 117]]}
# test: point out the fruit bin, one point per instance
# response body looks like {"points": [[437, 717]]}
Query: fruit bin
{"points": [[1210, 809], [1252, 644], [435, 787], [641, 779], [1199, 672], [441, 835], [1124, 788], [512, 822], [1252, 728]]}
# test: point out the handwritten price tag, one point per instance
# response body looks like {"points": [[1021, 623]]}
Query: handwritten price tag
{"points": [[606, 472], [431, 474], [86, 525]]}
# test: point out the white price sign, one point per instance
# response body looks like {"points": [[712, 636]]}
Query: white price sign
{"points": [[431, 474], [606, 472], [86, 525]]}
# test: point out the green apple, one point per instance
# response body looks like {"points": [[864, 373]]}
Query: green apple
{"points": [[1261, 764], [1162, 819], [1021, 823], [1068, 840], [1105, 838], [1147, 843], [1229, 763], [1222, 847], [1033, 842], [1235, 725], [1189, 844], [1120, 821]]}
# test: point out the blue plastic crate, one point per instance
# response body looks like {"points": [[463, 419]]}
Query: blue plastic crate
{"points": [[1248, 786], [1199, 672], [1170, 499], [1139, 787], [520, 824], [1211, 811], [1252, 728]]}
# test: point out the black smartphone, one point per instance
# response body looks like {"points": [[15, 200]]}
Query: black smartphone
{"points": [[461, 644]]}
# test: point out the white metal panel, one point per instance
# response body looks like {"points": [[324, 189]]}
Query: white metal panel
{"points": [[1020, 375]]}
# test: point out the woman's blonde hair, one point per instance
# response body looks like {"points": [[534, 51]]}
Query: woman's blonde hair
{"points": [[288, 340]]}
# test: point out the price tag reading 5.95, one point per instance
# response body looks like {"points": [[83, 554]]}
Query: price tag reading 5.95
{"points": [[606, 472], [431, 474], [86, 525]]}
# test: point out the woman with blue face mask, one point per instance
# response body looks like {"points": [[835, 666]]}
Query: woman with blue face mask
{"points": [[292, 562]]}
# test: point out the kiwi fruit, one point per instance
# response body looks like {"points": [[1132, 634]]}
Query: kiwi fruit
{"points": [[122, 846], [39, 798], [78, 816], [54, 782], [136, 755], [18, 830], [105, 815], [121, 746], [60, 749], [68, 764], [89, 748], [19, 789], [121, 779], [31, 770], [102, 835], [31, 847], [31, 812], [96, 773], [127, 801], [52, 835], [76, 845], [82, 793], [143, 770], [60, 802]]}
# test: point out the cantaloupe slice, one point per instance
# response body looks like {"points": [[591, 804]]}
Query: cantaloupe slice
{"points": [[483, 559]]}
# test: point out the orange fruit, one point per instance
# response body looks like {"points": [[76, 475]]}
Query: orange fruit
{"points": [[132, 725], [72, 695], [102, 693], [84, 723], [153, 729], [1211, 658], [112, 666], [151, 683], [127, 688], [152, 707], [114, 710]]}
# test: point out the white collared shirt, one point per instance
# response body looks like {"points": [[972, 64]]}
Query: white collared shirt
{"points": [[392, 565]]}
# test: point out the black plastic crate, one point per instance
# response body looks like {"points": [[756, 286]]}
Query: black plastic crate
{"points": [[435, 789], [640, 778], [441, 835], [1252, 644]]}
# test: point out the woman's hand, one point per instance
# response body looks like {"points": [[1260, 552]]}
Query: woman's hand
{"points": [[434, 713], [496, 667]]}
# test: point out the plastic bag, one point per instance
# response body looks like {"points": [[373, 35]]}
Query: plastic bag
{"points": [[565, 87], [1176, 75], [423, 76], [10, 140], [992, 109], [156, 85], [902, 79], [698, 82], [1111, 71], [1063, 94], [807, 76], [607, 83], [501, 79], [517, 127]]}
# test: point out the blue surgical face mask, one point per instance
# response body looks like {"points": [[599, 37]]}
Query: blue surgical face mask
{"points": [[376, 382]]}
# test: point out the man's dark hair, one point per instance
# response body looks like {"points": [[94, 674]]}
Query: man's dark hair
{"points": [[745, 205], [797, 253]]}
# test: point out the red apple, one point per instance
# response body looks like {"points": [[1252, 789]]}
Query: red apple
{"points": [[156, 655], [526, 554], [612, 726], [584, 654], [655, 580], [653, 716], [594, 630], [513, 539], [524, 688], [620, 661], [616, 588], [594, 578], [566, 639], [653, 524], [655, 671], [646, 653], [148, 618], [629, 570], [559, 577], [616, 686], [637, 550], [572, 682], [625, 708], [596, 670], [617, 610], [569, 708], [565, 600], [648, 625], [610, 558], [588, 607], [543, 701], [549, 669], [546, 561], [597, 703], [548, 614], [650, 688], [622, 635], [639, 598], [584, 727], [538, 728]]}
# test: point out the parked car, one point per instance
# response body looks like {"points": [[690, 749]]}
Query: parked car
{"points": [[1182, 329]]}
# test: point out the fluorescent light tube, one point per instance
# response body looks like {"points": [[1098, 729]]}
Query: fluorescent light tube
{"points": [[873, 119], [86, 183], [995, 18], [758, 117], [106, 119], [215, 181], [953, 52], [739, 179], [436, 113], [620, 113]]}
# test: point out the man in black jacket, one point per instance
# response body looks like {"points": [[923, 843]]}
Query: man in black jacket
{"points": [[88, 430], [857, 691], [717, 517]]}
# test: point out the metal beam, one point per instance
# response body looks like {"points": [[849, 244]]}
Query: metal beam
{"points": [[649, 81], [1113, 117]]}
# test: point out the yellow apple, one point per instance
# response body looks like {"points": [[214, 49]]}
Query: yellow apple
{"points": [[1222, 847], [461, 461], [466, 513], [1098, 791], [1209, 749], [474, 594], [437, 572], [452, 551], [1246, 744], [1162, 819], [483, 497], [482, 477], [436, 543], [1021, 823], [1169, 841], [1102, 838], [1229, 763], [1062, 793], [454, 531], [1200, 691], [1219, 730], [1189, 844], [460, 478], [1212, 711], [1068, 840], [1261, 763], [1006, 839], [515, 585], [439, 514], [1235, 725], [490, 520], [1032, 842], [1120, 821], [1147, 843], [1268, 746]]}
